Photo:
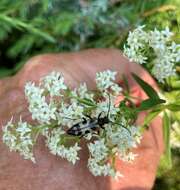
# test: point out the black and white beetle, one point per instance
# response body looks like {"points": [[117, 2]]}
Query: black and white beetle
{"points": [[89, 125]]}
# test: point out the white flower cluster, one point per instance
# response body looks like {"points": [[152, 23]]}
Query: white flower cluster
{"points": [[104, 169], [124, 138], [58, 109], [136, 41], [70, 113], [143, 46], [97, 163], [56, 146], [54, 83], [106, 106], [82, 92], [19, 138], [118, 140], [39, 108], [98, 149], [106, 80]]}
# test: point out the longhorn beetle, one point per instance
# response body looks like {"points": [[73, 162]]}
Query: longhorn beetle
{"points": [[91, 124]]}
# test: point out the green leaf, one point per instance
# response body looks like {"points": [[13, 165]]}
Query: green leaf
{"points": [[15, 22], [65, 22], [86, 101], [126, 83], [146, 87], [173, 107], [166, 135], [149, 103], [150, 117]]}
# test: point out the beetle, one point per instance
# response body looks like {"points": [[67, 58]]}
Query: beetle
{"points": [[89, 125]]}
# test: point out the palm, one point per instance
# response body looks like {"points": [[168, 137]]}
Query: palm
{"points": [[51, 172]]}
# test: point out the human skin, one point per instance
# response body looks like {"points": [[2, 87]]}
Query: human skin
{"points": [[51, 172]]}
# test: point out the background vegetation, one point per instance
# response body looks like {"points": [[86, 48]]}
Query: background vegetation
{"points": [[32, 27]]}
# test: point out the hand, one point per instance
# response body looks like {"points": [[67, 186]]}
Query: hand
{"points": [[51, 172]]}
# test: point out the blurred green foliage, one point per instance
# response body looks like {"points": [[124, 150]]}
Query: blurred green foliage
{"points": [[32, 27], [169, 179]]}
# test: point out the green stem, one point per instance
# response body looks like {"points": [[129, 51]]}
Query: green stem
{"points": [[178, 69]]}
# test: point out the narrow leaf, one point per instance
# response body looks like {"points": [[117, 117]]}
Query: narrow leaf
{"points": [[173, 107], [166, 134], [86, 101], [150, 117], [146, 87], [149, 103]]}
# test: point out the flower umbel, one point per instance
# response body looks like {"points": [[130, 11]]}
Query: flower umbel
{"points": [[142, 46], [65, 116], [19, 138]]}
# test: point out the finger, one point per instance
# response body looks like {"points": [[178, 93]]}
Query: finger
{"points": [[12, 103], [141, 173], [82, 66], [153, 136], [6, 84]]}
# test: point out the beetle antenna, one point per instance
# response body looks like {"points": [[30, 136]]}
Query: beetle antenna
{"points": [[122, 127], [69, 118]]}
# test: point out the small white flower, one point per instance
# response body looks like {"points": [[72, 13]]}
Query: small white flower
{"points": [[39, 108], [124, 138], [53, 140], [72, 153], [18, 138], [116, 89], [136, 134], [23, 128], [83, 92], [32, 91], [94, 168], [103, 107], [105, 79], [54, 83], [153, 43], [98, 169], [24, 131], [127, 157], [137, 38], [57, 148], [8, 137], [98, 149], [163, 68], [167, 32], [69, 114]]}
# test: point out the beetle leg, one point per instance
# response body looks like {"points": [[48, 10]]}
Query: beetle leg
{"points": [[84, 120], [100, 115], [122, 127], [88, 116]]}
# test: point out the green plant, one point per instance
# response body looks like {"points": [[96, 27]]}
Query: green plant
{"points": [[32, 27]]}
